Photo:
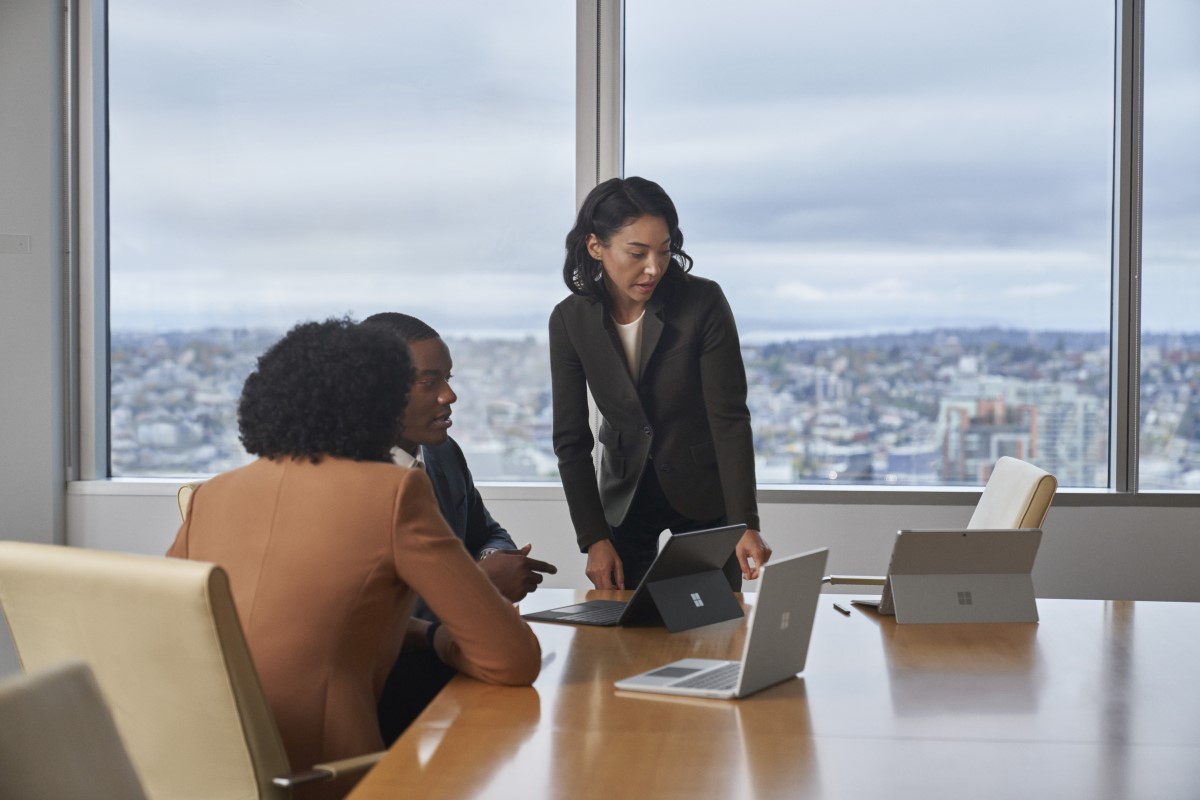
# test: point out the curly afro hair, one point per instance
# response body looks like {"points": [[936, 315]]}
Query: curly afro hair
{"points": [[332, 388]]}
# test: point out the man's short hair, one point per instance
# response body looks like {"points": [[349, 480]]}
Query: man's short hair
{"points": [[410, 328]]}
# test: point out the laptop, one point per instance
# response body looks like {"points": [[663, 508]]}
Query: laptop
{"points": [[965, 575], [684, 588], [777, 637]]}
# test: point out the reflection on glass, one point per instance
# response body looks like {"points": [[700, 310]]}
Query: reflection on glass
{"points": [[907, 205], [271, 163], [1169, 442]]}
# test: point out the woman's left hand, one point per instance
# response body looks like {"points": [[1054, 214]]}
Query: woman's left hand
{"points": [[752, 548]]}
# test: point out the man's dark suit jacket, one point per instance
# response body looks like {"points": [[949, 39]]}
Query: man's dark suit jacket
{"points": [[461, 505], [686, 417]]}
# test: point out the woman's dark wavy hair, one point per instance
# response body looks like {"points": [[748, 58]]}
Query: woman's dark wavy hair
{"points": [[332, 388], [609, 207]]}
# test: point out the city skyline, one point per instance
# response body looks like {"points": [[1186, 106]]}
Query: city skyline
{"points": [[928, 408]]}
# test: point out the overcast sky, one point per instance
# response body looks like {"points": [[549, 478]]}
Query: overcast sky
{"points": [[850, 166]]}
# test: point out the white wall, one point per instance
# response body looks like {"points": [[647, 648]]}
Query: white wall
{"points": [[1091, 548], [32, 470], [32, 477]]}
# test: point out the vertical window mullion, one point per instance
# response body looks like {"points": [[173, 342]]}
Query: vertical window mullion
{"points": [[1126, 246], [599, 102], [89, 401]]}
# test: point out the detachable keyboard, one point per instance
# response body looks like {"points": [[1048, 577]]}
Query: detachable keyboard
{"points": [[596, 616], [592, 612]]}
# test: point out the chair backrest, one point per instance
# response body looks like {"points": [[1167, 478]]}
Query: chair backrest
{"points": [[57, 739], [183, 497], [163, 639], [1017, 495]]}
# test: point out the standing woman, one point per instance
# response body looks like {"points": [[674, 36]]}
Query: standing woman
{"points": [[659, 350]]}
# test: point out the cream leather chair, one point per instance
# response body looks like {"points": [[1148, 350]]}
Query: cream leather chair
{"points": [[163, 639], [57, 739], [183, 497], [1017, 495]]}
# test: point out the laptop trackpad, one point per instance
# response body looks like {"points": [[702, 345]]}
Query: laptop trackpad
{"points": [[690, 601]]}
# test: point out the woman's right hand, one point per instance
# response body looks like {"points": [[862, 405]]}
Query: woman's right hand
{"points": [[604, 568]]}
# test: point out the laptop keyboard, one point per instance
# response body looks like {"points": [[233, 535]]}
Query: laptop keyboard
{"points": [[723, 677], [596, 616]]}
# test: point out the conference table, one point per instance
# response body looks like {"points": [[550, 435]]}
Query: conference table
{"points": [[1097, 700]]}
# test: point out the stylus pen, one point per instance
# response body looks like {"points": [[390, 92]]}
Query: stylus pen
{"points": [[842, 609]]}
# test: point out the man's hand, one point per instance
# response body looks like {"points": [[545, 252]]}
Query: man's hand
{"points": [[751, 547], [604, 568], [514, 573]]}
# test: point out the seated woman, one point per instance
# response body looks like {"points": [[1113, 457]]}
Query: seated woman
{"points": [[327, 544]]}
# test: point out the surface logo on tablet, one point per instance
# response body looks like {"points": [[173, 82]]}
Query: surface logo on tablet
{"points": [[964, 599], [785, 619], [696, 599]]}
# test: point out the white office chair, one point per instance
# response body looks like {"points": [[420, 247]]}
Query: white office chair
{"points": [[183, 498], [57, 739], [1017, 495], [164, 641]]}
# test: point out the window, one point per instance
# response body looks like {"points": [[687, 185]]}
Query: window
{"points": [[271, 163], [909, 208], [909, 214], [1169, 440]]}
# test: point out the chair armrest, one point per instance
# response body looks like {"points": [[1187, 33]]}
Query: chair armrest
{"points": [[330, 770], [854, 580]]}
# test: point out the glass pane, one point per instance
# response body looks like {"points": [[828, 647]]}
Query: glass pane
{"points": [[1169, 442], [276, 162], [908, 207]]}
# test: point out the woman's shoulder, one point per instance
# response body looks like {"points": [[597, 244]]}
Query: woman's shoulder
{"points": [[375, 471], [574, 304], [685, 287], [691, 282], [330, 472], [260, 470], [575, 312]]}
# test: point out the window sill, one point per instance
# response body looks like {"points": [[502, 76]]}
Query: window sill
{"points": [[767, 494]]}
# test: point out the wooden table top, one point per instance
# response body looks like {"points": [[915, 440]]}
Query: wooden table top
{"points": [[1098, 700]]}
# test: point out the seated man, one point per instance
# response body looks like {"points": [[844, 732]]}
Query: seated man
{"points": [[425, 443]]}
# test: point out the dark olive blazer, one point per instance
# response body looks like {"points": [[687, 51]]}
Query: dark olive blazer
{"points": [[686, 418]]}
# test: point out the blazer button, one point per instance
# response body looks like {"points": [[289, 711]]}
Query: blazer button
{"points": [[666, 467], [646, 430]]}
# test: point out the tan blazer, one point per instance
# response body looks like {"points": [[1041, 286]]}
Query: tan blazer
{"points": [[324, 562], [686, 417]]}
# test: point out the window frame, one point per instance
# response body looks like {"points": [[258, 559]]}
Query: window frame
{"points": [[599, 148]]}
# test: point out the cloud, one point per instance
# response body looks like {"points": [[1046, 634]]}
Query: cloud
{"points": [[837, 162], [463, 302], [890, 290], [1039, 290]]}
